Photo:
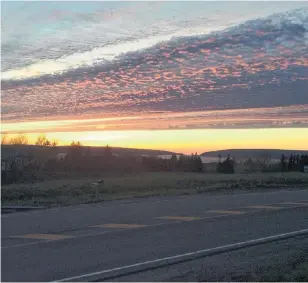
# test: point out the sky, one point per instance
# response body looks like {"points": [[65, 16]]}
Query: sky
{"points": [[181, 76]]}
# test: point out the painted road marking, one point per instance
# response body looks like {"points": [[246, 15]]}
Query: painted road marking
{"points": [[119, 226], [52, 237], [180, 218], [47, 238], [235, 212]]}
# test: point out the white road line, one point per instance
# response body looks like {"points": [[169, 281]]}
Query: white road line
{"points": [[143, 266]]}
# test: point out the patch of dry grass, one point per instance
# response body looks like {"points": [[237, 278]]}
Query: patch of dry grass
{"points": [[68, 192]]}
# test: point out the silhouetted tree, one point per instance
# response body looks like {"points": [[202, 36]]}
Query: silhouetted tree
{"points": [[199, 164], [282, 163], [303, 162], [19, 139], [234, 162], [4, 138], [219, 168], [181, 163], [249, 164], [227, 166], [40, 141], [297, 162], [54, 143], [290, 163], [74, 156], [43, 141], [173, 162], [76, 144], [264, 160]]}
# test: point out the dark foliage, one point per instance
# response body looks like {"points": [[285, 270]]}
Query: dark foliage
{"points": [[227, 166], [303, 161], [85, 160], [283, 163], [297, 162], [191, 163]]}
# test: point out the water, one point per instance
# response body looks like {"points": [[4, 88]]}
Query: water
{"points": [[203, 159], [215, 159]]}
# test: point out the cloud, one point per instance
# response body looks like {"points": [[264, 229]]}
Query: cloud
{"points": [[288, 116], [260, 63]]}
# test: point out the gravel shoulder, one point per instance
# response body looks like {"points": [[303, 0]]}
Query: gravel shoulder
{"points": [[274, 262]]}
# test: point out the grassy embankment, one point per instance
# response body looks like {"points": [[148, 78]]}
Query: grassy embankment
{"points": [[82, 190]]}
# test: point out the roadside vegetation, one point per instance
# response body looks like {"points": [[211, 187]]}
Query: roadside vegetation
{"points": [[86, 190], [298, 273], [72, 177], [291, 269]]}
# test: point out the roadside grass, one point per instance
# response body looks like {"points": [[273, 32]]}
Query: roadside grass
{"points": [[294, 271], [298, 272], [70, 192]]}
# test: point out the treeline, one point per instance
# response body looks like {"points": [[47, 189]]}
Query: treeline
{"points": [[227, 166], [185, 163], [19, 139], [80, 159], [295, 163], [22, 139]]}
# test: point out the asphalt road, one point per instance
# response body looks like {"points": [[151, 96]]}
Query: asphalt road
{"points": [[60, 243]]}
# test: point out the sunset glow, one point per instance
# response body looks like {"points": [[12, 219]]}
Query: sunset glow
{"points": [[187, 141], [224, 75]]}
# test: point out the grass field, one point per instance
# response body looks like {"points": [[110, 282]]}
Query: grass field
{"points": [[69, 192]]}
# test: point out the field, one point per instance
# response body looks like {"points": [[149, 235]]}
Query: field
{"points": [[82, 190]]}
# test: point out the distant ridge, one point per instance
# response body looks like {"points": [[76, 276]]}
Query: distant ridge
{"points": [[9, 150], [253, 153]]}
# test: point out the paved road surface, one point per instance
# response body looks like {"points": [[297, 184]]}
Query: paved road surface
{"points": [[60, 243]]}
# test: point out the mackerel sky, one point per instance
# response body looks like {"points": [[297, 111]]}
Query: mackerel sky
{"points": [[176, 65]]}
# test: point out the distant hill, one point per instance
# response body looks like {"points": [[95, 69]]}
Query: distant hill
{"points": [[45, 152], [48, 152], [253, 153]]}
